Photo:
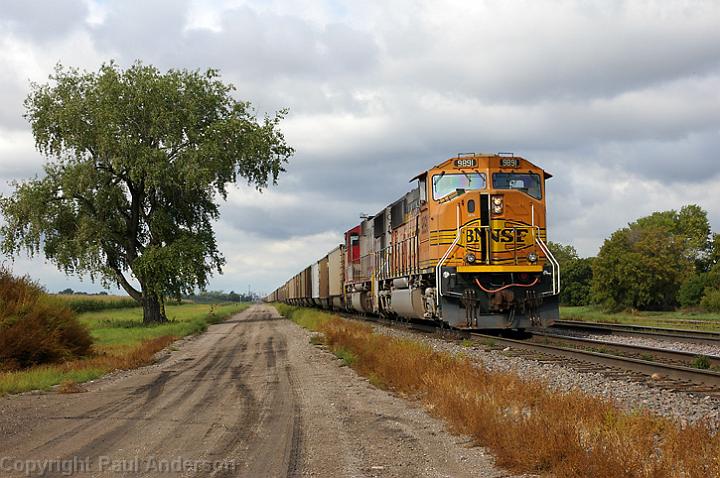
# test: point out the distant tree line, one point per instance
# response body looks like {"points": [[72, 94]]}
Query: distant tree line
{"points": [[209, 297], [69, 291], [659, 262]]}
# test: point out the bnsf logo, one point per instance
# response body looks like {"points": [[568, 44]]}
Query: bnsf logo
{"points": [[498, 235]]}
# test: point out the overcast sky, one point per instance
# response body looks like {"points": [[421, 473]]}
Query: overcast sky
{"points": [[619, 100]]}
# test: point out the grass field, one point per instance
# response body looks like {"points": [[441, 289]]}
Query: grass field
{"points": [[121, 342], [671, 319], [86, 303], [530, 427]]}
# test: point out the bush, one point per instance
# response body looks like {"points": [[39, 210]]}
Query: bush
{"points": [[34, 328], [691, 291], [711, 300]]}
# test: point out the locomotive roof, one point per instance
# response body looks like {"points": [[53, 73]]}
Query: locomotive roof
{"points": [[473, 155]]}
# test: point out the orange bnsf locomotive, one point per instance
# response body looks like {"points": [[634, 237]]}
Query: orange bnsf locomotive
{"points": [[466, 246]]}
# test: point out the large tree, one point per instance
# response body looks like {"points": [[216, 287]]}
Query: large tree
{"points": [[644, 265], [137, 161]]}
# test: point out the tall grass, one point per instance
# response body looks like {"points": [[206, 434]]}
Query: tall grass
{"points": [[87, 303], [530, 427]]}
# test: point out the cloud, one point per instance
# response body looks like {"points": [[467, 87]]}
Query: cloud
{"points": [[42, 21], [619, 100]]}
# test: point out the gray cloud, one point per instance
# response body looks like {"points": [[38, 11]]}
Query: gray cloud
{"points": [[619, 100], [42, 21]]}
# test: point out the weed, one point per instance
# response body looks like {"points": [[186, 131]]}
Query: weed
{"points": [[702, 362], [348, 358], [467, 343], [648, 357]]}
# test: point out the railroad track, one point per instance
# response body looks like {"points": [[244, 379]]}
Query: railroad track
{"points": [[677, 335], [669, 367]]}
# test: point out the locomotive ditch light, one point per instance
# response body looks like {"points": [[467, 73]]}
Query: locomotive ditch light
{"points": [[532, 257], [470, 258]]}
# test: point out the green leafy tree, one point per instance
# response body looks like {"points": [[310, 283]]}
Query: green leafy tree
{"points": [[575, 274], [691, 290], [565, 254], [576, 282], [641, 266], [137, 161]]}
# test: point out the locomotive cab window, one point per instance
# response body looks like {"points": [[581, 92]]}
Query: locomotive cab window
{"points": [[528, 183], [444, 184]]}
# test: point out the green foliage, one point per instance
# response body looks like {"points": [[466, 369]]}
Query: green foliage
{"points": [[137, 160], [639, 267], [575, 273], [88, 303], [576, 282], [691, 290], [35, 328], [215, 296], [711, 300], [348, 358], [565, 254], [701, 362]]}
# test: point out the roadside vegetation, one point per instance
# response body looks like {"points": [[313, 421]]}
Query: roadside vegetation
{"points": [[45, 343], [528, 426]]}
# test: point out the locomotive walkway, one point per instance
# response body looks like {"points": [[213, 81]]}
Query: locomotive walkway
{"points": [[251, 397]]}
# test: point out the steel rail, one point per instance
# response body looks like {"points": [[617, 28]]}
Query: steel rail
{"points": [[677, 372], [680, 335], [668, 354]]}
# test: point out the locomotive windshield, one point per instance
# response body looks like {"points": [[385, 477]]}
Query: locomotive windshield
{"points": [[444, 184], [526, 182]]}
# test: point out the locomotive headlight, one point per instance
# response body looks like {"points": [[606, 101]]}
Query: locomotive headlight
{"points": [[532, 257], [470, 258], [497, 204]]}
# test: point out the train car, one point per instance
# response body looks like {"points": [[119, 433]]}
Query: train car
{"points": [[315, 284], [336, 278], [324, 283], [465, 247]]}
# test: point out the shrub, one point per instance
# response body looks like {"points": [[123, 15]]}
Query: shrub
{"points": [[691, 291], [711, 300], [34, 328]]}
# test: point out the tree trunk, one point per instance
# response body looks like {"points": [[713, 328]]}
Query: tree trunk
{"points": [[153, 309]]}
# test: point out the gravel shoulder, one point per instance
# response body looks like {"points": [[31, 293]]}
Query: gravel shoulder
{"points": [[631, 395], [251, 397]]}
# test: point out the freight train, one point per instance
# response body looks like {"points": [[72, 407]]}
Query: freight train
{"points": [[466, 247]]}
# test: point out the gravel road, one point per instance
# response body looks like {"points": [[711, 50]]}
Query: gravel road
{"points": [[251, 397]]}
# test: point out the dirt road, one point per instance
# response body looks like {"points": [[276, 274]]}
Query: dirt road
{"points": [[251, 397]]}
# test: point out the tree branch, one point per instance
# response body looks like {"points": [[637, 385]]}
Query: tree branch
{"points": [[132, 292]]}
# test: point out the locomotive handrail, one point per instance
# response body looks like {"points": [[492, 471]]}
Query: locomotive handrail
{"points": [[554, 264]]}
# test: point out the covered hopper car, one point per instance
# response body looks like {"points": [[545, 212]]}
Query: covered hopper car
{"points": [[465, 247]]}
